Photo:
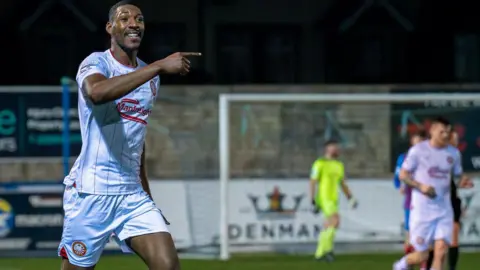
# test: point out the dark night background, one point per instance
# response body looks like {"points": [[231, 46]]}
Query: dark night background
{"points": [[260, 42]]}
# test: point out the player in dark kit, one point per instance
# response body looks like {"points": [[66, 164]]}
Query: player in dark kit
{"points": [[453, 252]]}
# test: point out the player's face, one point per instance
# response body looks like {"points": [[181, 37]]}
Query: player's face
{"points": [[416, 139], [440, 133], [333, 150], [454, 139], [127, 27]]}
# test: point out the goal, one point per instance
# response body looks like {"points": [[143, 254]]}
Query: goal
{"points": [[372, 129]]}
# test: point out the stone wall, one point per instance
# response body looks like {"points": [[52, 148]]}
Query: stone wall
{"points": [[267, 139]]}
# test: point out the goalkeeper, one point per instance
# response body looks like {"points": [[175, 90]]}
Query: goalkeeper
{"points": [[328, 173]]}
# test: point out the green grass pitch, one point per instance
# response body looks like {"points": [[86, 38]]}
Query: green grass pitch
{"points": [[468, 261]]}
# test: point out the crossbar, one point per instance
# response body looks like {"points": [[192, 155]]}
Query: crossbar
{"points": [[351, 97]]}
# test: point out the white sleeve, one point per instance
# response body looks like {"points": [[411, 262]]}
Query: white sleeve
{"points": [[410, 162], [93, 64]]}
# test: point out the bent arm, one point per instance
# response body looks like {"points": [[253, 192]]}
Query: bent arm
{"points": [[100, 89], [143, 175], [407, 178]]}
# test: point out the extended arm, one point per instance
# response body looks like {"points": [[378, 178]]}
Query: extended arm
{"points": [[143, 174], [101, 90]]}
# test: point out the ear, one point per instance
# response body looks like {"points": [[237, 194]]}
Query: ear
{"points": [[108, 28]]}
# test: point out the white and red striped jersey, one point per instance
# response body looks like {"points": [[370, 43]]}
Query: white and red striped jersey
{"points": [[113, 134]]}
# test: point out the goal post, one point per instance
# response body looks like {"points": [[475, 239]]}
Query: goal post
{"points": [[226, 100]]}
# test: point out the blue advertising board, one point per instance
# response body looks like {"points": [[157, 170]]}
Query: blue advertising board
{"points": [[31, 124], [31, 217]]}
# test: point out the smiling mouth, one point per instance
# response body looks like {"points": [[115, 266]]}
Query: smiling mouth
{"points": [[133, 35]]}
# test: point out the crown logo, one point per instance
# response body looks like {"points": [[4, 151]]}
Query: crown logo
{"points": [[276, 208]]}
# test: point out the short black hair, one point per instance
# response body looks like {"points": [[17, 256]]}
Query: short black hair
{"points": [[419, 133], [113, 9], [441, 120], [330, 142]]}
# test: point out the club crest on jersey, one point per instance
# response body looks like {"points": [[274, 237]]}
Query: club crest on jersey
{"points": [[79, 248], [450, 160], [153, 87]]}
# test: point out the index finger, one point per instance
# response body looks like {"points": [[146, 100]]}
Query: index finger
{"points": [[190, 54]]}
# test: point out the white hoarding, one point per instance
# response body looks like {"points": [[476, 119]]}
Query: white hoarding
{"points": [[278, 211]]}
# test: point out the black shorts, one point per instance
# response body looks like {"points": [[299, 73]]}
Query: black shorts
{"points": [[457, 209]]}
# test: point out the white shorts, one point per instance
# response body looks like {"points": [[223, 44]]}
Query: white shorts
{"points": [[90, 220], [424, 232]]}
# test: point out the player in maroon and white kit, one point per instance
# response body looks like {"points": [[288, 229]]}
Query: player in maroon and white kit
{"points": [[107, 190], [427, 169]]}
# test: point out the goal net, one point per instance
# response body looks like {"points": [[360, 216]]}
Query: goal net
{"points": [[267, 143]]}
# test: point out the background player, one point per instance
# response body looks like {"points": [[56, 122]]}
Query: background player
{"points": [[328, 172], [427, 169], [406, 190], [453, 251], [107, 189]]}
